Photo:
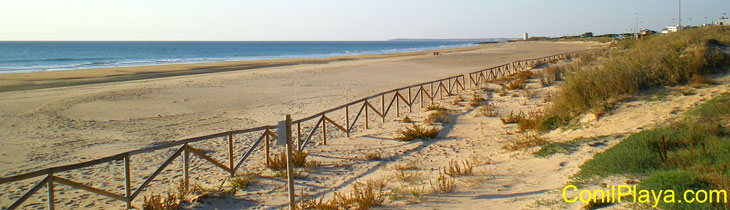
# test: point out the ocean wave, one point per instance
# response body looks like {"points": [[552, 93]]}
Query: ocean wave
{"points": [[51, 60]]}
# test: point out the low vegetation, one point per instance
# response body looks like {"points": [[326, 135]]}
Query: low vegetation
{"points": [[513, 118], [689, 153], [410, 165], [435, 107], [242, 182], [476, 100], [550, 75], [372, 156], [443, 183], [516, 84], [488, 110], [438, 117], [406, 119], [526, 141], [569, 147], [413, 192], [457, 100], [278, 162], [459, 168], [599, 79], [157, 202], [417, 132], [362, 196], [407, 175]]}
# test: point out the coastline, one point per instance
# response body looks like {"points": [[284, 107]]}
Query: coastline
{"points": [[63, 78], [60, 126]]}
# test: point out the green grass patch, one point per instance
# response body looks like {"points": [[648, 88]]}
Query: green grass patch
{"points": [[689, 153], [568, 147]]}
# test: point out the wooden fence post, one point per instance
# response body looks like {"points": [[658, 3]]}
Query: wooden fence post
{"points": [[366, 114], [347, 120], [186, 166], [397, 104], [421, 95], [230, 154], [410, 105], [382, 108], [49, 184], [266, 145], [324, 129], [127, 182], [289, 163]]}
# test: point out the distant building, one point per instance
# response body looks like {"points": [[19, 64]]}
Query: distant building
{"points": [[723, 21], [646, 32], [525, 37], [669, 29]]}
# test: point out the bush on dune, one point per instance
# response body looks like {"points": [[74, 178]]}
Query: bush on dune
{"points": [[598, 80]]}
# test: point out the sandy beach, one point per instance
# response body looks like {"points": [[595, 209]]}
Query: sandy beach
{"points": [[45, 127]]}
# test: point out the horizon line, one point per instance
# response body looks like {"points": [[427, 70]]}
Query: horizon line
{"points": [[393, 39]]}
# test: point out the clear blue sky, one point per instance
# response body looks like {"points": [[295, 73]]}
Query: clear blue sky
{"points": [[336, 19]]}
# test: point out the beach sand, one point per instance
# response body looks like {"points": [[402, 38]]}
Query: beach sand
{"points": [[63, 125]]}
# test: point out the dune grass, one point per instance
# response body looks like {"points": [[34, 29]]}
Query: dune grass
{"points": [[598, 80], [689, 153], [417, 132]]}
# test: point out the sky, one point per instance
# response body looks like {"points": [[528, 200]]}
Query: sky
{"points": [[336, 20]]}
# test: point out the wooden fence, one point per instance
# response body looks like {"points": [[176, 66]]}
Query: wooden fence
{"points": [[390, 104]]}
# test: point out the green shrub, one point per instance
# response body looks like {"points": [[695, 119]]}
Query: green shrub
{"points": [[678, 181]]}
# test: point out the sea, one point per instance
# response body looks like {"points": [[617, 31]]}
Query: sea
{"points": [[38, 56]]}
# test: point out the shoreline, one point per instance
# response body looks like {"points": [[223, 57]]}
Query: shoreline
{"points": [[64, 78], [59, 126]]}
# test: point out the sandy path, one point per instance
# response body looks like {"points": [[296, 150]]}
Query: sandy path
{"points": [[50, 127]]}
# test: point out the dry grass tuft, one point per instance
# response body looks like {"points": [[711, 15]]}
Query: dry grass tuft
{"points": [[417, 132], [435, 107], [457, 100], [410, 165], [526, 141], [476, 100], [550, 75], [438, 116], [459, 168], [443, 184], [157, 202], [278, 162], [513, 118], [488, 110], [372, 156], [531, 121], [362, 196], [318, 204], [407, 175], [406, 119], [516, 84]]}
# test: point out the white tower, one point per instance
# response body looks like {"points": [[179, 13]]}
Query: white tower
{"points": [[524, 36]]}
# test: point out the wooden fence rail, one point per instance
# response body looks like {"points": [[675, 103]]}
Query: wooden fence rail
{"points": [[423, 93]]}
